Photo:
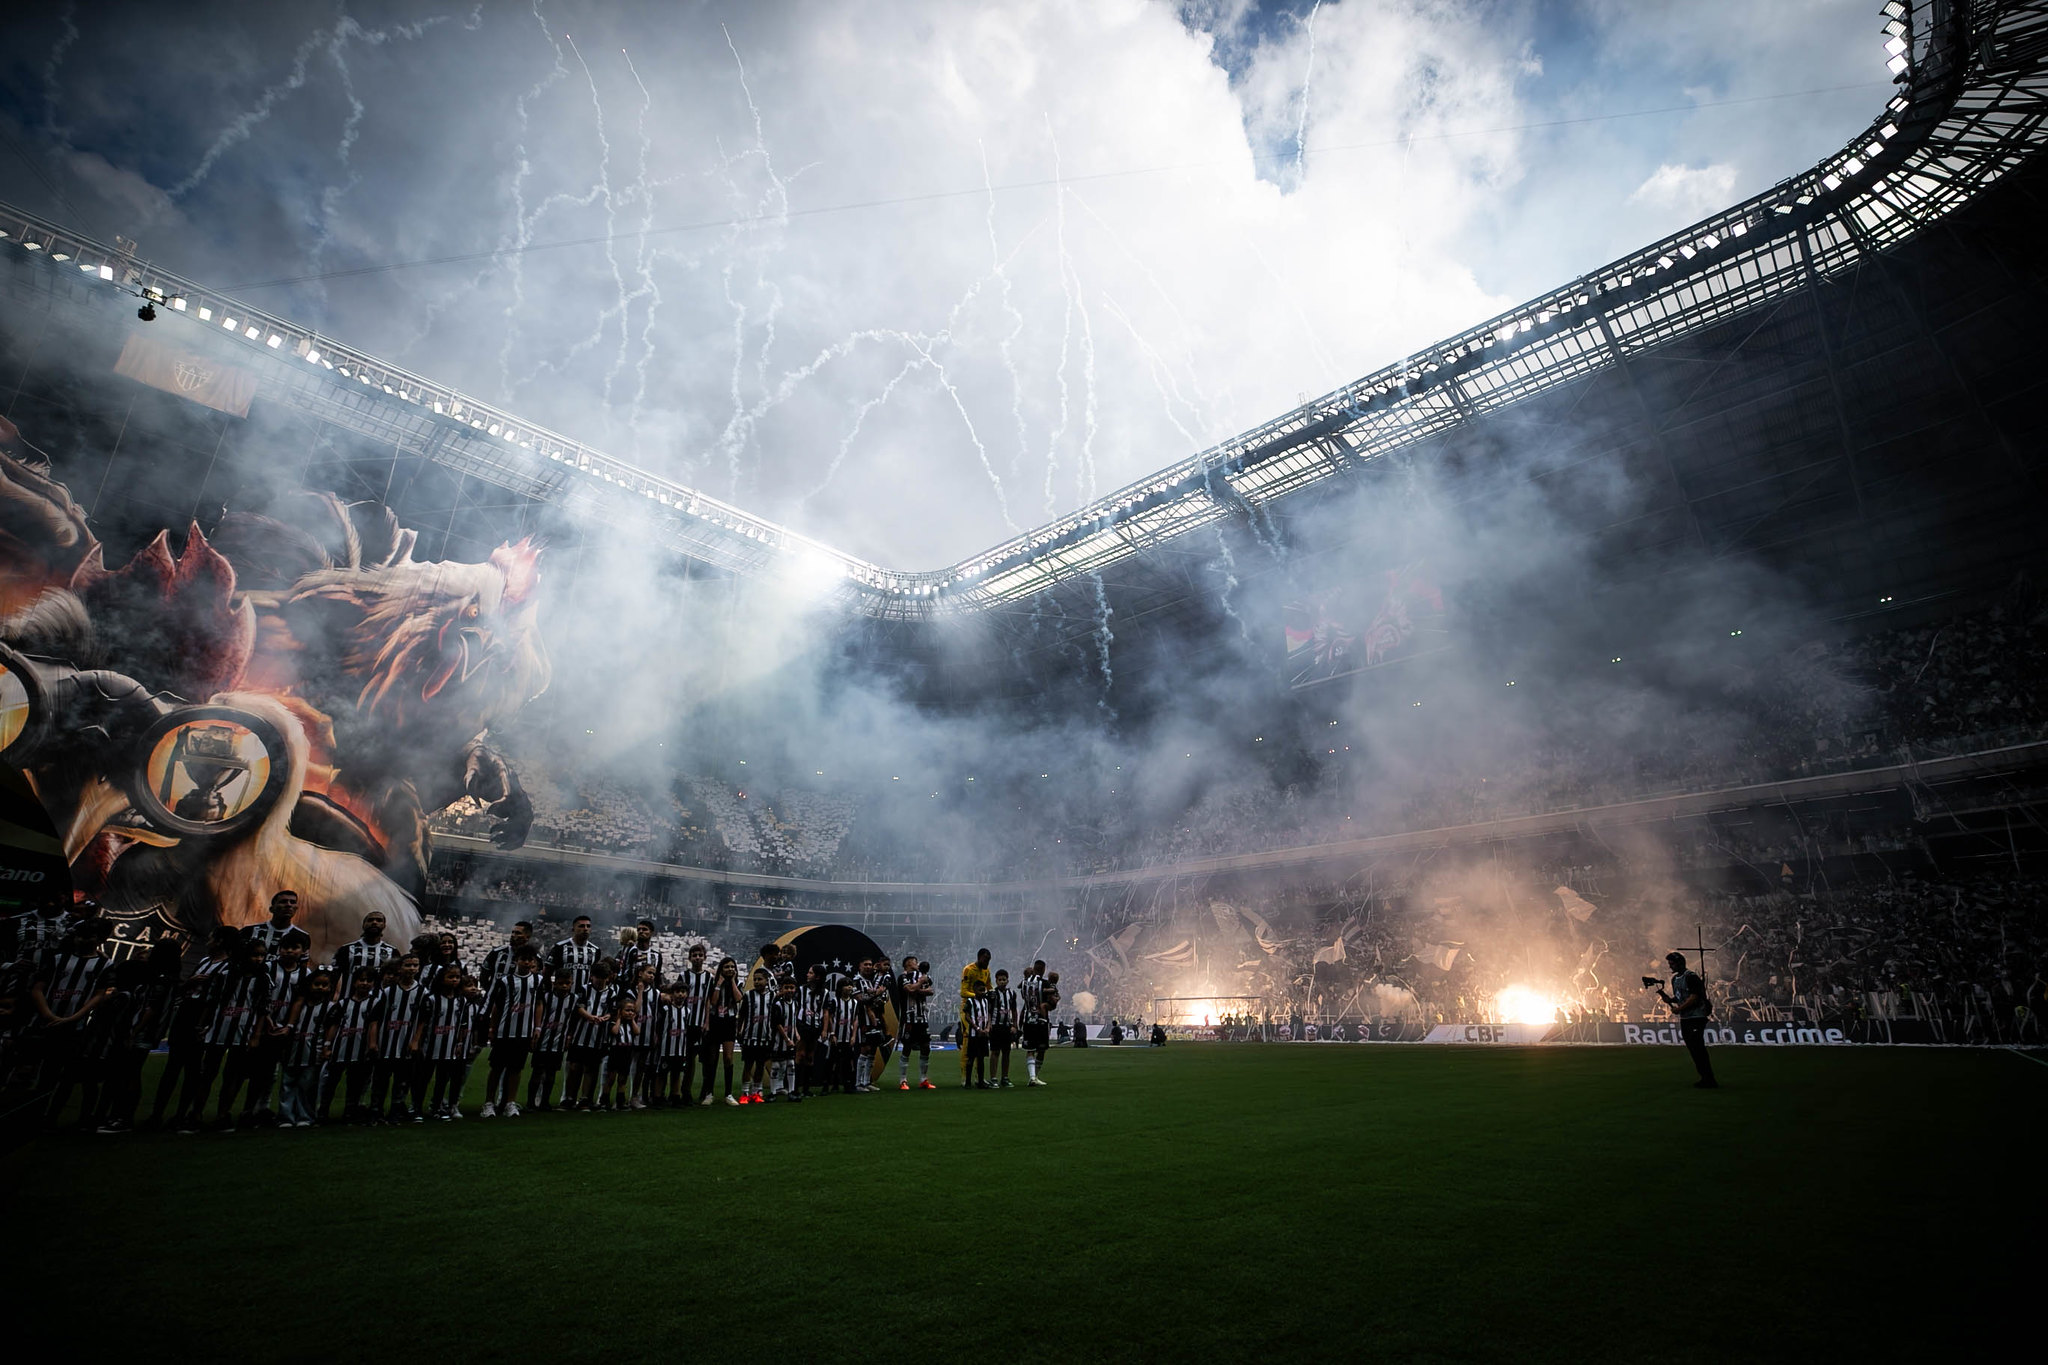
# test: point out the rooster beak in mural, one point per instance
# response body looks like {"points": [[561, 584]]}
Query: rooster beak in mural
{"points": [[464, 649]]}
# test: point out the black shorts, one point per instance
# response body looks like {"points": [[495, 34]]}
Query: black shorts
{"points": [[1001, 1036], [585, 1057], [510, 1053], [549, 1060], [722, 1031], [916, 1038], [873, 1037], [756, 1052], [807, 1036], [1038, 1035], [977, 1045]]}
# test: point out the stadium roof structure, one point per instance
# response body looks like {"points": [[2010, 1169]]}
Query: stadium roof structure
{"points": [[1970, 110]]}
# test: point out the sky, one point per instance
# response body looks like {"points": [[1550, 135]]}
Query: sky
{"points": [[911, 278]]}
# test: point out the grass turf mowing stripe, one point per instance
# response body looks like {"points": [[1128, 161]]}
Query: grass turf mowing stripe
{"points": [[1222, 1202]]}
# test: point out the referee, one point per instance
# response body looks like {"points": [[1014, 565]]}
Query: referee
{"points": [[974, 980], [1688, 1000]]}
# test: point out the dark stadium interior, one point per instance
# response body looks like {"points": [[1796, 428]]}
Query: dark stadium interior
{"points": [[1726, 631]]}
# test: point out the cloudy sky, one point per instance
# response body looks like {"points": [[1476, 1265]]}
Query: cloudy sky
{"points": [[911, 276]]}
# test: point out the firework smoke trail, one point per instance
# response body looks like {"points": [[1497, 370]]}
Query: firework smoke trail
{"points": [[68, 17], [643, 260], [1163, 380], [611, 232], [1301, 123], [1059, 429], [242, 125], [778, 195], [514, 250], [1010, 311], [860, 417]]}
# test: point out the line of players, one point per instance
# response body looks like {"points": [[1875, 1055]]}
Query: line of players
{"points": [[397, 1038]]}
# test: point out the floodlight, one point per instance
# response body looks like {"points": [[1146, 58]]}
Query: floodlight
{"points": [[86, 267], [206, 315], [274, 341], [312, 357], [177, 303], [1896, 65], [229, 324], [30, 244], [1895, 45], [60, 255], [252, 331]]}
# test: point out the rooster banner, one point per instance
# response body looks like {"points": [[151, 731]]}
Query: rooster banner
{"points": [[281, 705], [1352, 629]]}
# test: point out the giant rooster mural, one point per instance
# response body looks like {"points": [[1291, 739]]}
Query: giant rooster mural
{"points": [[281, 705]]}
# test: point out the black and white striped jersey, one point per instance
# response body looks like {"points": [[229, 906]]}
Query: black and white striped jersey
{"points": [[398, 1007], [647, 1024], [192, 1003], [356, 957], [673, 1035], [443, 1027], [598, 1002], [284, 988], [243, 1001], [497, 966], [848, 1020], [635, 957], [511, 1003], [1004, 1005], [350, 1020], [38, 936], [305, 1034], [1033, 993], [725, 1002], [760, 1018], [553, 1018], [70, 979], [978, 1014], [917, 1007], [577, 958], [275, 936], [783, 970], [810, 1006], [695, 988]]}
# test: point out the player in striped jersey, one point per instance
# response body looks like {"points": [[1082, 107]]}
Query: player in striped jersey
{"points": [[589, 1035], [1004, 1006], [974, 980], [575, 954], [345, 1049], [40, 932], [440, 1040], [642, 951], [843, 1029], [615, 1089], [70, 984], [721, 1025], [643, 988], [511, 1008], [191, 1009], [501, 962], [368, 954], [397, 1074], [693, 985], [288, 972], [554, 1014], [231, 1037], [154, 988], [278, 931], [672, 1051], [782, 1067], [759, 1026], [304, 1029], [808, 1009], [915, 1027], [1041, 996], [974, 1037]]}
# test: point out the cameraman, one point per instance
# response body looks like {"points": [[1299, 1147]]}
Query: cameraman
{"points": [[1688, 1000]]}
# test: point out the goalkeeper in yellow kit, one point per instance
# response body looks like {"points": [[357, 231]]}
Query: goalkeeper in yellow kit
{"points": [[974, 980]]}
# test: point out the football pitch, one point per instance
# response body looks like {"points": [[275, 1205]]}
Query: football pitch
{"points": [[1200, 1203]]}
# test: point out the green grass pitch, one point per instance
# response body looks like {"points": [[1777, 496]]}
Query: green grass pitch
{"points": [[1200, 1203]]}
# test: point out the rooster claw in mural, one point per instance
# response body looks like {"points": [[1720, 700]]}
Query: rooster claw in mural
{"points": [[281, 706]]}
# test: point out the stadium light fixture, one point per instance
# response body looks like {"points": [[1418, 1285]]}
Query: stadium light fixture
{"points": [[1897, 66], [87, 268], [205, 314], [312, 357], [229, 324], [177, 304], [252, 331], [60, 255], [31, 244], [273, 341]]}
